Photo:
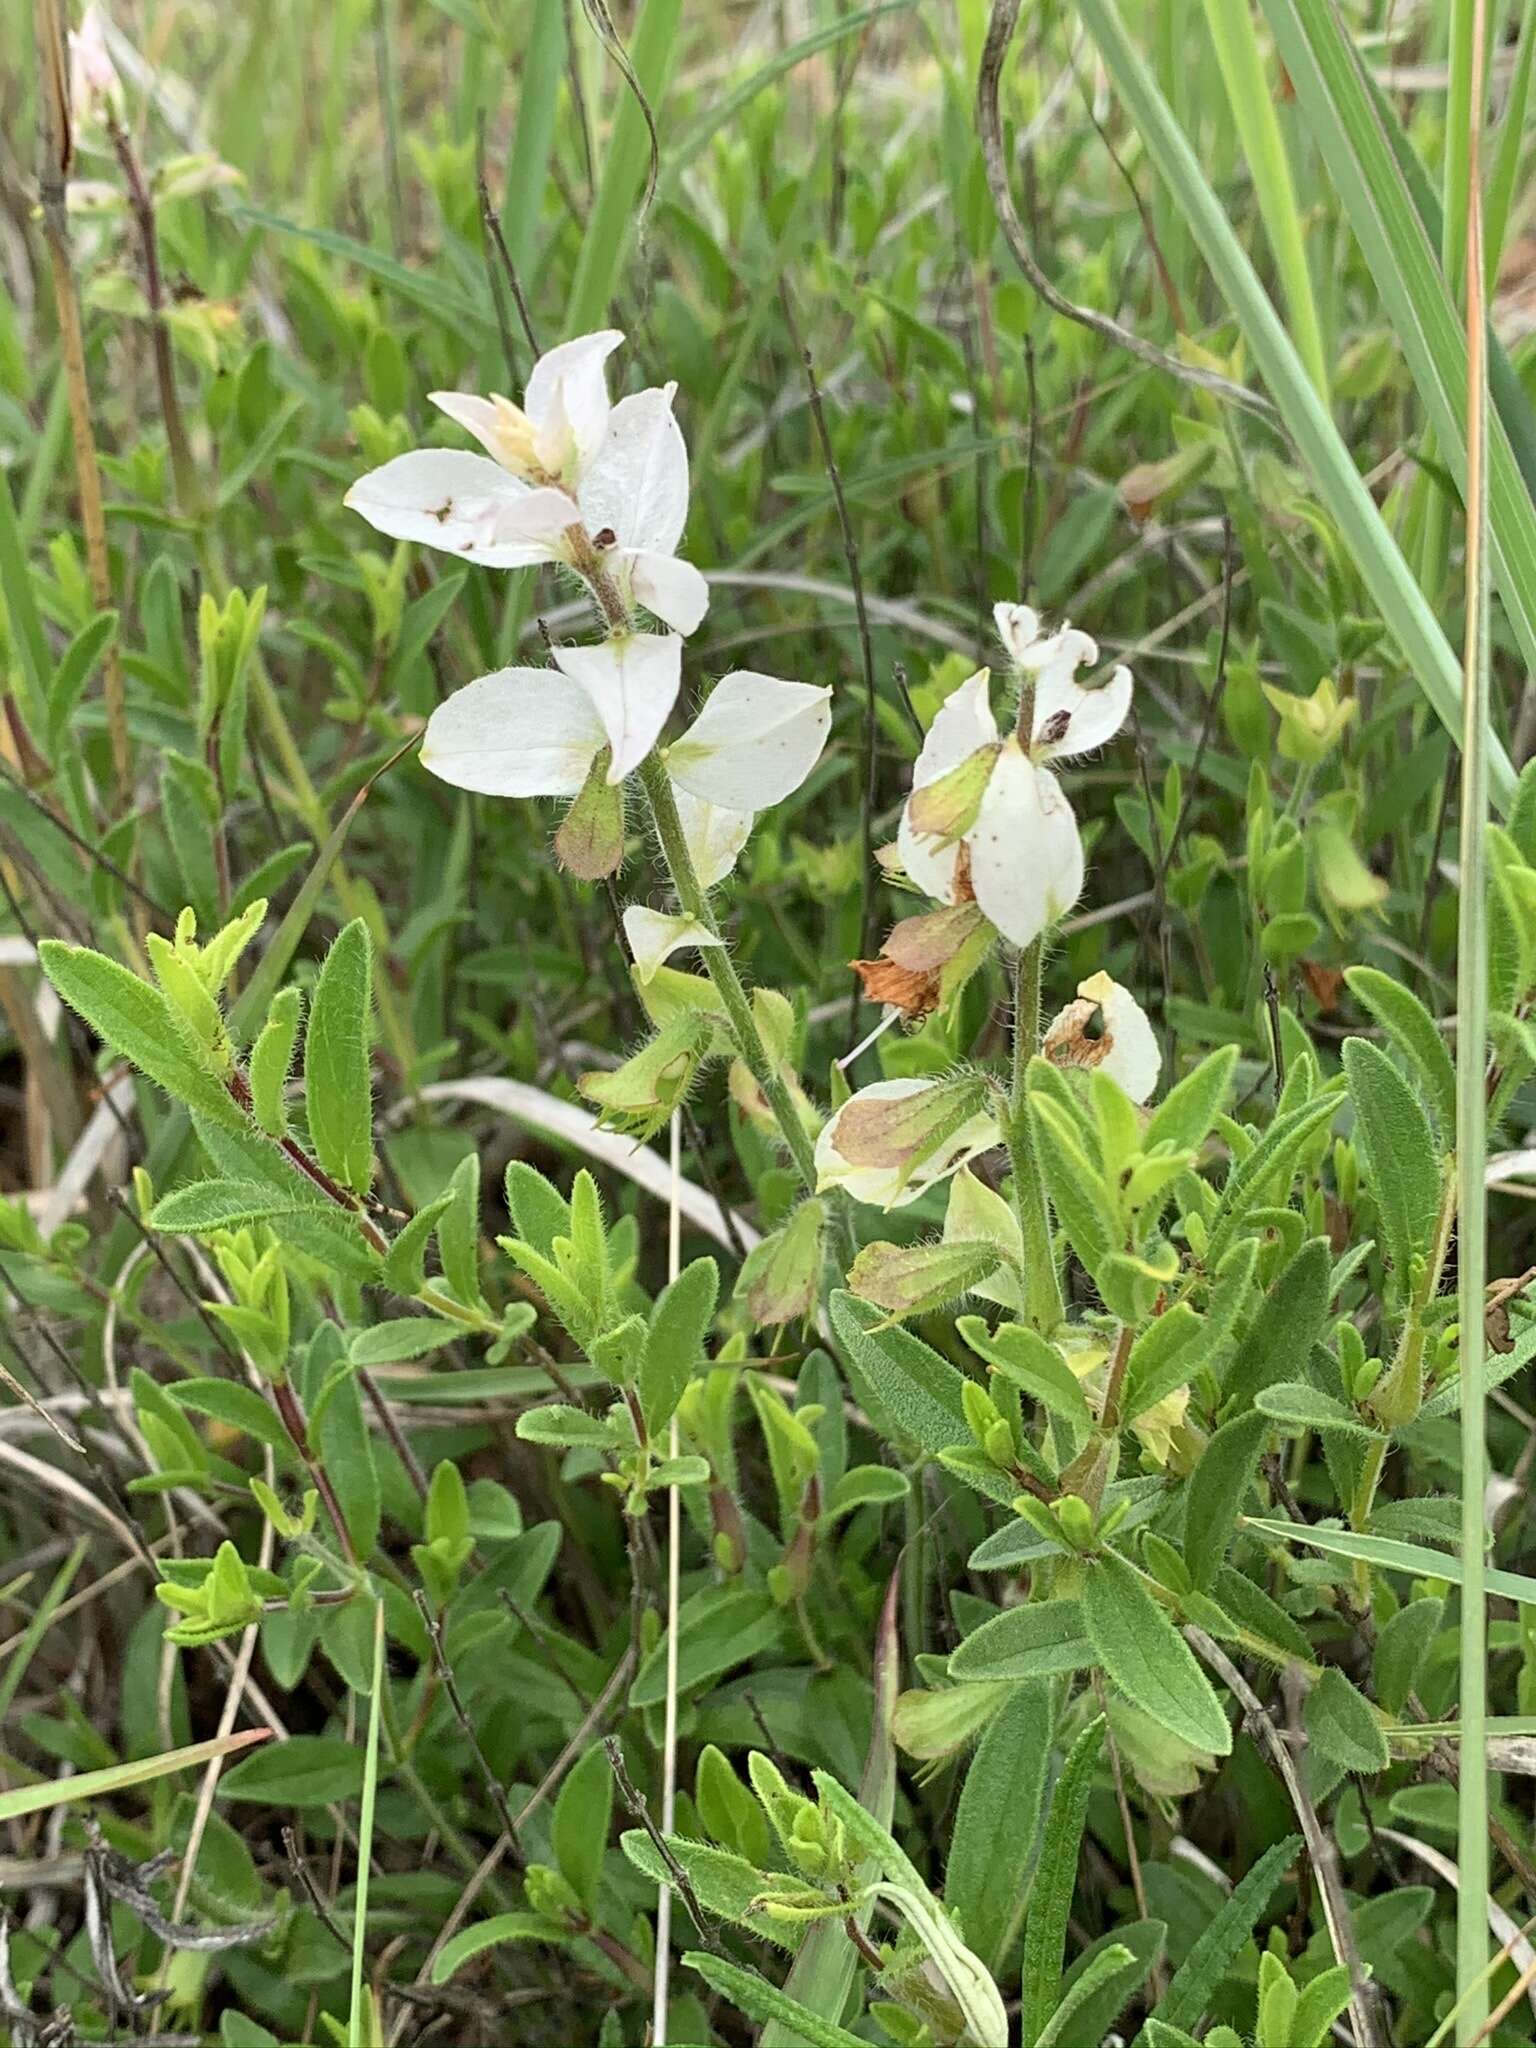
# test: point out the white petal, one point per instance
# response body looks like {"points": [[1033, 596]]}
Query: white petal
{"points": [[1067, 645], [755, 741], [519, 732], [1135, 1058], [963, 724], [714, 834], [1026, 856], [1072, 720], [483, 418], [463, 504], [671, 589], [637, 481], [568, 389], [633, 683], [654, 936], [1018, 627]]}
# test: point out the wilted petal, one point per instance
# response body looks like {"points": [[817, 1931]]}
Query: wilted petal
{"points": [[714, 834], [667, 586], [519, 732], [755, 741], [1026, 856], [632, 682], [655, 935], [1106, 1028], [636, 485], [1072, 720], [463, 504], [964, 724], [567, 400], [903, 1144]]}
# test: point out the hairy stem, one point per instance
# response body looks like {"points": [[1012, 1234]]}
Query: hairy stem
{"points": [[740, 1021]]}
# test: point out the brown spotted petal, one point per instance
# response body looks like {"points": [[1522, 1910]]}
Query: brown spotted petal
{"points": [[1106, 1028]]}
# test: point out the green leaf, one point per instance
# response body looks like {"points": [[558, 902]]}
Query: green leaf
{"points": [[866, 1486], [1219, 1944], [1146, 1657], [345, 1449], [717, 1629], [470, 1942], [674, 1345], [1050, 1899], [458, 1231], [1299, 1406], [579, 1833], [1414, 1032], [1215, 1493], [240, 1407], [908, 1391], [402, 1338], [762, 2002], [271, 1062], [1403, 1160], [76, 666], [1029, 1362], [208, 1205], [135, 1021], [338, 1085], [1402, 1650], [405, 1263], [996, 1823], [1266, 1171], [1184, 1117], [1339, 1720], [1105, 1977], [1163, 1357], [1041, 1639], [1279, 1340], [306, 1770]]}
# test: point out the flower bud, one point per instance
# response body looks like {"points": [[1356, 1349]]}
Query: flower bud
{"points": [[893, 1139], [779, 1277], [1311, 727], [910, 1279], [641, 1095]]}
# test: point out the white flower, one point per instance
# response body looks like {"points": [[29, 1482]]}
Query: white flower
{"points": [[995, 826], [94, 89], [563, 459], [537, 731], [753, 744], [655, 935], [1106, 1028], [894, 1139]]}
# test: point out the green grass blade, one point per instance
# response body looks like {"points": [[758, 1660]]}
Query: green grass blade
{"points": [[21, 1800], [360, 2021], [1389, 1555], [1326, 73], [1472, 955], [538, 105], [1252, 109], [1512, 133], [1399, 599], [21, 1657], [34, 663], [652, 54]]}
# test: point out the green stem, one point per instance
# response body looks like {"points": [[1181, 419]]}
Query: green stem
{"points": [[1042, 1287], [740, 1021]]}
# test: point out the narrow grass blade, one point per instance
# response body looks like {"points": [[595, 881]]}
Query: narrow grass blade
{"points": [[538, 104], [1252, 110], [37, 1627], [360, 2021], [1325, 70], [21, 1800], [1402, 604], [612, 218], [1472, 1094]]}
